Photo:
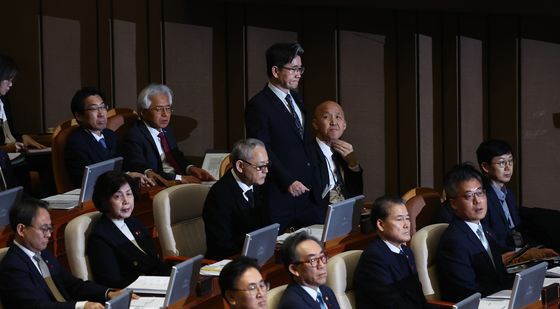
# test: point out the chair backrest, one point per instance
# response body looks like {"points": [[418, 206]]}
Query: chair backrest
{"points": [[75, 239], [274, 296], [422, 208], [424, 244], [225, 165], [340, 279], [178, 219], [59, 139], [120, 119], [417, 191], [3, 252]]}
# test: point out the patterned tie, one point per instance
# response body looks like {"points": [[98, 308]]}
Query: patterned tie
{"points": [[250, 198], [320, 300], [168, 154], [103, 144], [295, 115], [48, 279]]}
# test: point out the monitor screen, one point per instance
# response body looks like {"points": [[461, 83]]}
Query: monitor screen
{"points": [[8, 199], [339, 218], [260, 244], [93, 171], [182, 280]]}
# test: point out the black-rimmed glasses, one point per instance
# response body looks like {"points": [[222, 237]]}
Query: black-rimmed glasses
{"points": [[45, 229], [253, 288], [258, 168], [315, 260], [96, 108], [299, 70]]}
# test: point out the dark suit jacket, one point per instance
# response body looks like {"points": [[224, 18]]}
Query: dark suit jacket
{"points": [[140, 151], [267, 119], [296, 297], [83, 149], [23, 286], [353, 183], [496, 219], [464, 266], [384, 279], [115, 261], [228, 217]]}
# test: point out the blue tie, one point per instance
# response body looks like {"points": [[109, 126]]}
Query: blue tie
{"points": [[320, 300], [103, 144]]}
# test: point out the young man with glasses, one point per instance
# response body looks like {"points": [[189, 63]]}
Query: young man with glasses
{"points": [[276, 116], [31, 277], [150, 147], [306, 262], [234, 205], [386, 275], [242, 284], [468, 258]]}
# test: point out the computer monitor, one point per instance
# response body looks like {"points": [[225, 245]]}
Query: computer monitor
{"points": [[260, 244], [182, 280], [93, 171], [470, 302], [527, 286], [8, 199], [121, 301], [338, 221]]}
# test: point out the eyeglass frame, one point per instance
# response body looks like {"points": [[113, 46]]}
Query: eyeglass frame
{"points": [[293, 70], [503, 163], [44, 229], [160, 109], [258, 168], [469, 196], [314, 261], [98, 107], [254, 288]]}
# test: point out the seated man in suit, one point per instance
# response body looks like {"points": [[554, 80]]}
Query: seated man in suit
{"points": [[468, 257], [242, 284], [386, 275], [150, 146], [31, 277], [306, 262], [338, 171], [234, 206], [92, 142]]}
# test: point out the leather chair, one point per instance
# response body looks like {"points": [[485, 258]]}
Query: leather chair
{"points": [[3, 252], [424, 244], [59, 139], [178, 219], [422, 209], [120, 119], [340, 279], [75, 239], [225, 166], [417, 191], [274, 296]]}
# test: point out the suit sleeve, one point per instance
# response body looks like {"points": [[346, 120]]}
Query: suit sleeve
{"points": [[217, 217], [134, 154]]}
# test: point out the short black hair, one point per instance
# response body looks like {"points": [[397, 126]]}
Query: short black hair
{"points": [[109, 183], [8, 68], [77, 104], [458, 174], [230, 274], [490, 149], [380, 208], [281, 54], [288, 251], [25, 211]]}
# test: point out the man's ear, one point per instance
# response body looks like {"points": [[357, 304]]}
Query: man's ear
{"points": [[238, 166], [293, 270], [485, 167], [19, 229], [314, 124], [275, 71], [380, 225], [230, 298], [452, 203]]}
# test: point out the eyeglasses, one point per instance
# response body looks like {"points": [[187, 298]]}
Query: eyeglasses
{"points": [[258, 168], [161, 109], [299, 70], [253, 288], [45, 229], [96, 108], [503, 163], [315, 260], [480, 193]]}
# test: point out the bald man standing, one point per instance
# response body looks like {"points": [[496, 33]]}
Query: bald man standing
{"points": [[338, 173]]}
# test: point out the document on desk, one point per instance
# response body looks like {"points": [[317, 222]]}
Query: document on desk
{"points": [[35, 151], [553, 272], [62, 201], [486, 303], [147, 302], [150, 285], [212, 162], [315, 230], [213, 269]]}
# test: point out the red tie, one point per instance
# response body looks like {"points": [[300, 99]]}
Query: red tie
{"points": [[168, 155]]}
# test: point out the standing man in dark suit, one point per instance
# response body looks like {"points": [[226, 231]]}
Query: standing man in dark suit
{"points": [[468, 257], [31, 277], [234, 206], [277, 117], [150, 146], [92, 142], [386, 275], [306, 262], [338, 171]]}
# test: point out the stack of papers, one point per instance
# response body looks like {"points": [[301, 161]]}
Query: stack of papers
{"points": [[62, 201], [150, 285], [487, 303], [315, 230], [553, 272], [147, 303], [213, 269]]}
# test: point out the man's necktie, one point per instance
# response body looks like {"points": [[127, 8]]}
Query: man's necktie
{"points": [[297, 122], [102, 143], [250, 198], [320, 300], [409, 262], [484, 241], [48, 279], [168, 155]]}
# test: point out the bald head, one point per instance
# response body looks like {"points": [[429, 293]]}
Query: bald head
{"points": [[328, 121]]}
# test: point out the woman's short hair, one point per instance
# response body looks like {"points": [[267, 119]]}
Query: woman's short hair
{"points": [[109, 183]]}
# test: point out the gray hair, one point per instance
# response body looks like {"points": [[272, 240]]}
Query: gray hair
{"points": [[143, 101], [242, 149]]}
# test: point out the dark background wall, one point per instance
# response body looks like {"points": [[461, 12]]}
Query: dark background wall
{"points": [[421, 85]]}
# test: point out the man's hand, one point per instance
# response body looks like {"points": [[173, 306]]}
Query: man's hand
{"points": [[201, 174], [189, 179], [114, 294], [157, 178], [346, 150], [297, 188], [29, 142], [144, 180], [506, 257], [92, 305], [534, 254]]}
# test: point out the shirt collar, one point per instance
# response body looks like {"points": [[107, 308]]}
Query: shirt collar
{"points": [[311, 291], [28, 252], [153, 131], [278, 92], [499, 192], [473, 226], [326, 149], [244, 187], [392, 247]]}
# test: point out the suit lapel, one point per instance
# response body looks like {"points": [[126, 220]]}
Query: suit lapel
{"points": [[33, 270], [475, 240], [307, 298], [282, 110]]}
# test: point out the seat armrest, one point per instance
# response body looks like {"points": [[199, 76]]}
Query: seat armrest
{"points": [[441, 303]]}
